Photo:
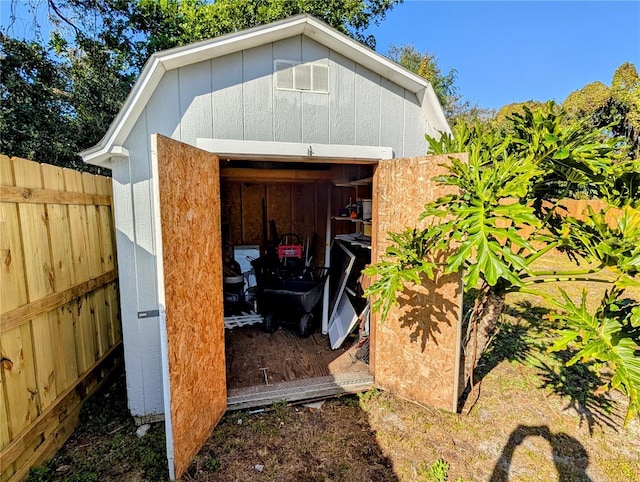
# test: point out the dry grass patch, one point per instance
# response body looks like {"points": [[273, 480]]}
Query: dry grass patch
{"points": [[535, 420]]}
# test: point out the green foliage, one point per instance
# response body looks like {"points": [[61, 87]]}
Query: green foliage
{"points": [[611, 334], [499, 191], [481, 222], [369, 396], [403, 262], [503, 214], [35, 116], [61, 98], [438, 471], [502, 120], [616, 107], [426, 65], [40, 474], [593, 238], [135, 29], [212, 465], [54, 107]]}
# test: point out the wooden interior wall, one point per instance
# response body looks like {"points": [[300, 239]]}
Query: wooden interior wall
{"points": [[59, 313], [295, 207], [189, 196], [417, 349]]}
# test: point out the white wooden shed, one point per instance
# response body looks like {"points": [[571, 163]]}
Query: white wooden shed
{"points": [[263, 118]]}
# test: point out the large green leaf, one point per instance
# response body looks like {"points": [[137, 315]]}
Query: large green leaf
{"points": [[610, 335]]}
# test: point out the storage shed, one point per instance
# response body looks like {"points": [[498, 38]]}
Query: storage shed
{"points": [[288, 122]]}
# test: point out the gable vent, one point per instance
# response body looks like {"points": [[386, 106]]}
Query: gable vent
{"points": [[309, 77]]}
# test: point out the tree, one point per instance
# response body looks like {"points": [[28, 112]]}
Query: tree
{"points": [[426, 65], [502, 119], [64, 95], [52, 108], [616, 107], [135, 29], [513, 184], [36, 108]]}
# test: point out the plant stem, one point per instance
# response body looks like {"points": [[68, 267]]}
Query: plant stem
{"points": [[544, 250], [563, 278], [576, 272]]}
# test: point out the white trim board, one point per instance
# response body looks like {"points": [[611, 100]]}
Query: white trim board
{"points": [[294, 151]]}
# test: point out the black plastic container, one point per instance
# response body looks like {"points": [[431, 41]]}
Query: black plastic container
{"points": [[292, 299]]}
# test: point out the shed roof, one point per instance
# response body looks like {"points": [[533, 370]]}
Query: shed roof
{"points": [[304, 24]]}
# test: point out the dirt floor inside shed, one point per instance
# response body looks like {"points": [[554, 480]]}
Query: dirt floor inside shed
{"points": [[535, 420]]}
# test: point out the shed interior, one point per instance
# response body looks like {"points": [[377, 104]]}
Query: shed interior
{"points": [[260, 202]]}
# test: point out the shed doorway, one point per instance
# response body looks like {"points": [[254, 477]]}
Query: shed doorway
{"points": [[266, 204]]}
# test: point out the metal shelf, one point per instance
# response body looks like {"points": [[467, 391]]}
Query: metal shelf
{"points": [[353, 220], [357, 182]]}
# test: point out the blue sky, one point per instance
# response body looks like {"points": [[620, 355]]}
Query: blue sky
{"points": [[512, 51], [508, 51]]}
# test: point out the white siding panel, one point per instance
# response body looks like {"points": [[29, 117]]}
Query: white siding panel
{"points": [[315, 107], [392, 117], [315, 118], [312, 51], [287, 116], [367, 91], [125, 239], [163, 109], [227, 97], [143, 216], [146, 273], [288, 49], [341, 99], [415, 127], [195, 102], [257, 68]]}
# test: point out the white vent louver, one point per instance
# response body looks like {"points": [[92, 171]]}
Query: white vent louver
{"points": [[292, 75]]}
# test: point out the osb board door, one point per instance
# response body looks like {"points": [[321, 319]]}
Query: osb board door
{"points": [[416, 350], [188, 191]]}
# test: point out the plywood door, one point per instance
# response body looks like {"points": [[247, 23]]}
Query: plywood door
{"points": [[416, 350], [190, 288]]}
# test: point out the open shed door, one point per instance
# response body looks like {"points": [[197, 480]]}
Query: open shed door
{"points": [[416, 351], [187, 195]]}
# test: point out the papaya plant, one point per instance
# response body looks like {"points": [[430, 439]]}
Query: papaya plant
{"points": [[506, 214]]}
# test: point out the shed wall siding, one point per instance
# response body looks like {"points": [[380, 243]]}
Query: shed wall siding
{"points": [[233, 97]]}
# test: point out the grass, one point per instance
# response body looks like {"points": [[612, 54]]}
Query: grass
{"points": [[105, 445], [535, 419]]}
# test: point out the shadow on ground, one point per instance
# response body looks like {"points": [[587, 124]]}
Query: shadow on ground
{"points": [[524, 336], [569, 456], [333, 442]]}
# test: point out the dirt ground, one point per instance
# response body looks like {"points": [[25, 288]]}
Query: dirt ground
{"points": [[535, 420]]}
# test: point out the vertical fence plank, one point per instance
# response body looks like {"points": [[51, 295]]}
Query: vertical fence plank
{"points": [[108, 259], [5, 472], [95, 268], [18, 372], [39, 276], [80, 247], [59, 233]]}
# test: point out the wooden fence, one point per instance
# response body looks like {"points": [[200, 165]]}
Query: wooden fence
{"points": [[60, 333], [578, 208]]}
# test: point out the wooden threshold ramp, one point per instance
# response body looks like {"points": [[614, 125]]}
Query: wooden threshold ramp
{"points": [[298, 390]]}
